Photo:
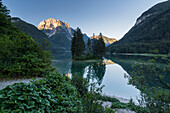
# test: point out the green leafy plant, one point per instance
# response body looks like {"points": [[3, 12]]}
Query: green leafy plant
{"points": [[51, 94]]}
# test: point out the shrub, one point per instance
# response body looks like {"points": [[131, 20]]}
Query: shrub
{"points": [[89, 95], [131, 106], [152, 78], [52, 94], [92, 99], [80, 83], [21, 56]]}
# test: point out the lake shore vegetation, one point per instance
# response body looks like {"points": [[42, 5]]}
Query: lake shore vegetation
{"points": [[93, 50], [153, 81]]}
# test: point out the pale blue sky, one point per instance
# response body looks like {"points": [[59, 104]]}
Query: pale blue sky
{"points": [[113, 18]]}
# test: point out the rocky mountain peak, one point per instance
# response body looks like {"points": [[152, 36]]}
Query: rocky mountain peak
{"points": [[52, 23], [106, 40], [52, 26], [96, 37]]}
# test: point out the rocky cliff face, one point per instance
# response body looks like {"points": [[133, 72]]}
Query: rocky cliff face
{"points": [[51, 25], [58, 32], [106, 40]]}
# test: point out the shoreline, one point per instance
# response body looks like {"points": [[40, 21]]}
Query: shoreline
{"points": [[141, 54], [6, 82], [87, 60], [121, 99]]}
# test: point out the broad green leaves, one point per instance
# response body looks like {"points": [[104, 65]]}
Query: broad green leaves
{"points": [[51, 94]]}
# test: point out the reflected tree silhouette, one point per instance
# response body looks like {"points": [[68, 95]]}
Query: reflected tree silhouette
{"points": [[94, 70], [78, 68], [98, 72]]}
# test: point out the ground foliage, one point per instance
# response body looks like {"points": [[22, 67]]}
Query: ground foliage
{"points": [[53, 94]]}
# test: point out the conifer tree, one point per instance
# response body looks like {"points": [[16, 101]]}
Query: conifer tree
{"points": [[102, 47], [88, 46], [73, 46], [3, 9], [99, 47], [78, 45]]}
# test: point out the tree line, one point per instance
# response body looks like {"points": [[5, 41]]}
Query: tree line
{"points": [[93, 49]]}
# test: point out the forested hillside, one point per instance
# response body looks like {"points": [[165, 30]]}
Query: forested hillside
{"points": [[151, 31], [30, 29]]}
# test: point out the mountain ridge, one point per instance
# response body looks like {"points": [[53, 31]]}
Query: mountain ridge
{"points": [[29, 29], [58, 32], [59, 41], [49, 27], [106, 40], [150, 32], [38, 35]]}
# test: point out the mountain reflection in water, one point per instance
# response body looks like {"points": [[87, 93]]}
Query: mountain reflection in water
{"points": [[106, 72]]}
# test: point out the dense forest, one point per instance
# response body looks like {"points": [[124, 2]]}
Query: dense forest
{"points": [[94, 49]]}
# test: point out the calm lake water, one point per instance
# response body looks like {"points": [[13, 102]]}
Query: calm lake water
{"points": [[109, 72]]}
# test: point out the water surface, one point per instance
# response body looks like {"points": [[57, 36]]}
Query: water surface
{"points": [[107, 72]]}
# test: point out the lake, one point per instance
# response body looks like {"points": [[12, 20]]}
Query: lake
{"points": [[109, 72]]}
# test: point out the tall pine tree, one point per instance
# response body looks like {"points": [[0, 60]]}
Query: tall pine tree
{"points": [[78, 45], [88, 46], [99, 47], [3, 9], [73, 45], [102, 47]]}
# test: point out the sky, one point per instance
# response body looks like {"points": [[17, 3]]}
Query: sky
{"points": [[113, 18]]}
